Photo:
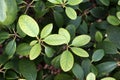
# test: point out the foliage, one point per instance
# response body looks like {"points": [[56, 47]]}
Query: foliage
{"points": [[59, 39]]}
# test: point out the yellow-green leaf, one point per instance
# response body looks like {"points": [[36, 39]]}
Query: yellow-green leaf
{"points": [[35, 51], [74, 2], [80, 52], [91, 76], [65, 33], [55, 39], [46, 30], [71, 13], [66, 61], [28, 25], [81, 40]]}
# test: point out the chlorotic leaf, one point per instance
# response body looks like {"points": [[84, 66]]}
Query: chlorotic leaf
{"points": [[81, 40], [71, 13], [98, 55], [28, 69], [74, 2], [65, 33], [113, 20], [91, 76], [28, 25], [79, 52], [35, 51], [66, 61], [55, 1], [55, 39], [46, 30], [108, 78], [10, 48]]}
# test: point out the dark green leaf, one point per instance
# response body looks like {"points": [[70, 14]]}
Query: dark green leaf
{"points": [[9, 74], [78, 71], [105, 2], [10, 48], [28, 69], [98, 55], [49, 51]]}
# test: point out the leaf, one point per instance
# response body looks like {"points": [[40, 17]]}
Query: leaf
{"points": [[109, 48], [105, 2], [55, 39], [46, 30], [98, 55], [4, 36], [78, 71], [10, 48], [65, 33], [56, 61], [91, 76], [74, 2], [113, 33], [66, 61], [28, 25], [55, 1], [118, 15], [71, 13], [113, 20], [23, 49], [63, 76], [49, 51], [9, 74], [3, 9], [58, 19], [106, 67], [28, 69], [108, 78], [32, 43], [79, 52], [35, 51], [98, 36], [81, 40]]}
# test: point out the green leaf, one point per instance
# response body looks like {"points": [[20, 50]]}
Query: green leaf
{"points": [[81, 40], [119, 2], [11, 75], [91, 76], [74, 2], [63, 76], [65, 33], [113, 33], [108, 78], [66, 61], [46, 30], [23, 49], [28, 25], [58, 19], [3, 9], [98, 55], [56, 61], [55, 39], [4, 36], [10, 48], [35, 51], [49, 51], [118, 15], [79, 52], [98, 36], [78, 71], [71, 13], [32, 43], [108, 47], [28, 69], [55, 1], [106, 67], [105, 2], [113, 20]]}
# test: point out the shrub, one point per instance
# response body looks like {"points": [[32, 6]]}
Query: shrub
{"points": [[59, 39]]}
